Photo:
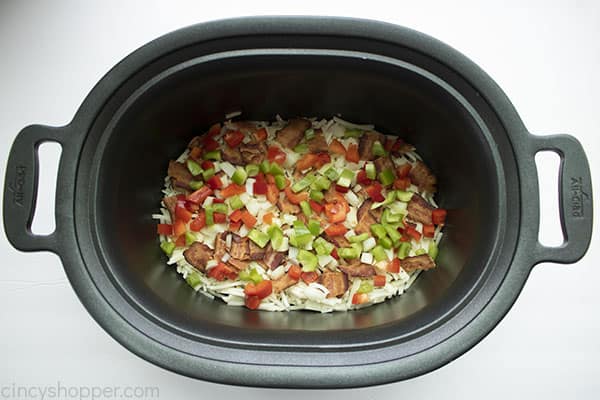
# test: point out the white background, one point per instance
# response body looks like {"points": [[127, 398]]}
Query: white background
{"points": [[545, 55]]}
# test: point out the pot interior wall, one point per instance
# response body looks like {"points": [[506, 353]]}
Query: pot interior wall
{"points": [[158, 124]]}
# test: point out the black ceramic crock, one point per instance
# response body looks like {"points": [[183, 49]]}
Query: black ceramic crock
{"points": [[143, 112]]}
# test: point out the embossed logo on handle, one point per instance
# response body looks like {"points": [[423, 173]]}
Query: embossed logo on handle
{"points": [[16, 186], [578, 197]]}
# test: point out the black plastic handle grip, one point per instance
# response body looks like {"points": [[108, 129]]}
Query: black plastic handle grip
{"points": [[575, 199], [20, 189]]}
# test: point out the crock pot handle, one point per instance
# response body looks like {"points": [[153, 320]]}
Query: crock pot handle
{"points": [[20, 189], [575, 199]]}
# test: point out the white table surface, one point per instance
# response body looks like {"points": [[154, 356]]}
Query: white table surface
{"points": [[546, 57]]}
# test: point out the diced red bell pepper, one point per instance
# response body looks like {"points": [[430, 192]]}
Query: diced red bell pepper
{"points": [[182, 213], [336, 230], [322, 159], [360, 298], [361, 178], [215, 182], [295, 272], [398, 144], [210, 144], [232, 189], [309, 160], [207, 164], [196, 153], [403, 170], [200, 195], [428, 230], [236, 216], [272, 193], [352, 153], [221, 272], [275, 154], [235, 226], [180, 241], [295, 198], [260, 187], [402, 183], [438, 216], [164, 229], [335, 212], [261, 289], [412, 232], [309, 277], [252, 302], [336, 147], [191, 206], [179, 227], [379, 280], [219, 218], [334, 254], [248, 219], [374, 192], [217, 200], [316, 207], [199, 222], [181, 197], [394, 266], [214, 130], [341, 189], [234, 138], [261, 134]]}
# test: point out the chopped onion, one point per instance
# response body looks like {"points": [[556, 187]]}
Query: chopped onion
{"points": [[250, 186], [228, 239], [352, 198], [228, 168], [233, 114], [211, 264], [208, 202], [366, 258], [293, 253], [349, 234], [225, 257], [278, 272], [369, 244], [324, 260]]}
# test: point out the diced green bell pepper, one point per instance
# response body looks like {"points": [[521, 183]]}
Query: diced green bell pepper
{"points": [[252, 169], [239, 176], [220, 208], [314, 227], [308, 260], [378, 230], [317, 196], [305, 207], [379, 253], [195, 185], [264, 166], [193, 279], [433, 250], [194, 168], [345, 178], [404, 196], [208, 173], [370, 170], [214, 155], [331, 174], [280, 182], [378, 149], [301, 148], [309, 133], [208, 212], [303, 183], [350, 252], [386, 177], [358, 238], [235, 202], [323, 247], [420, 252], [352, 133], [403, 250], [365, 287], [275, 169], [189, 238], [260, 238], [385, 242], [168, 248], [276, 235], [251, 274]]}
